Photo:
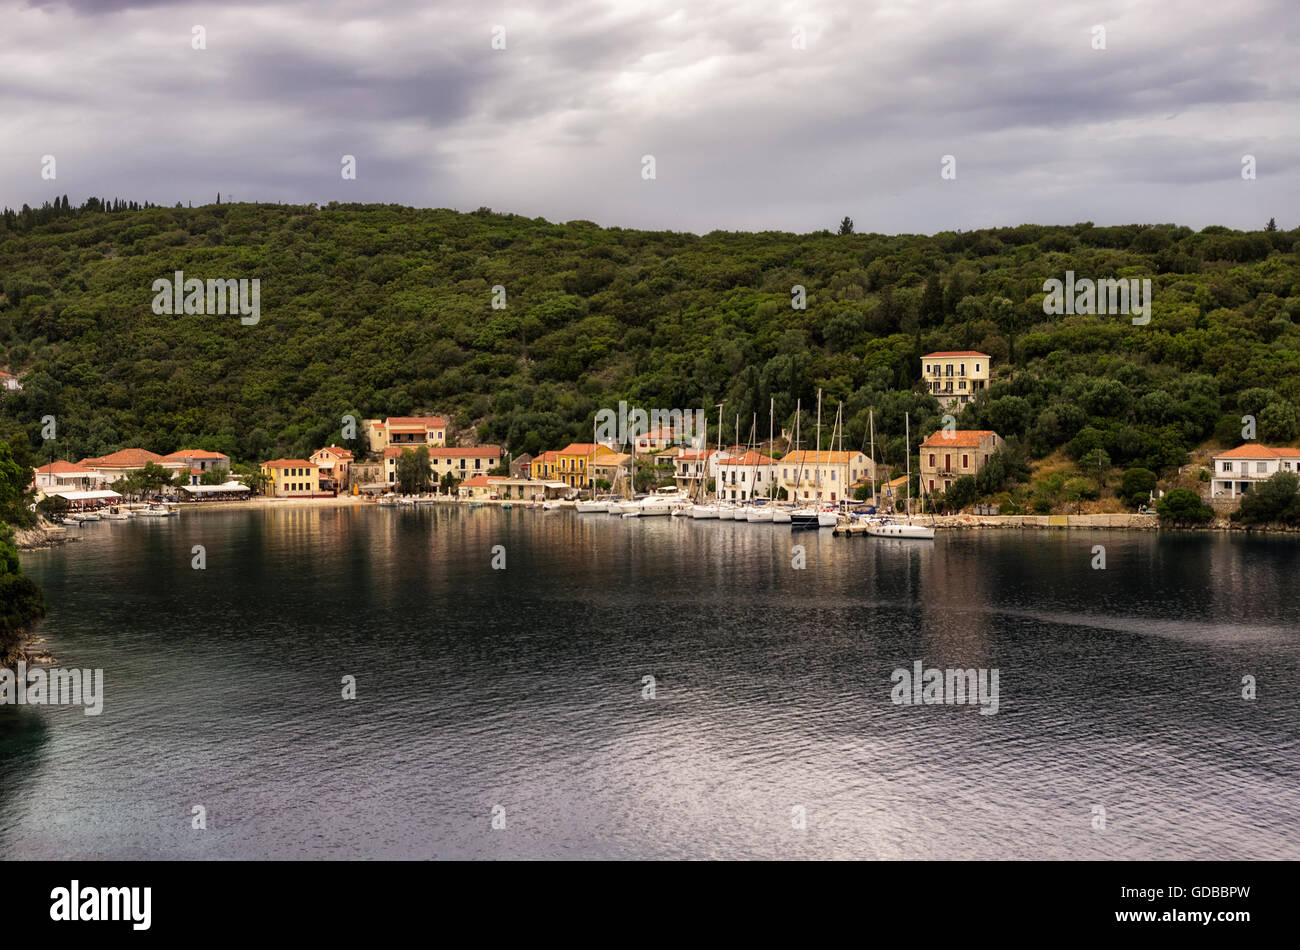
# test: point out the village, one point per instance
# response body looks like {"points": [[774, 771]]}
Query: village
{"points": [[408, 459]]}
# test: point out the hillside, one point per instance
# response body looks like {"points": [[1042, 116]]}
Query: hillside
{"points": [[372, 311]]}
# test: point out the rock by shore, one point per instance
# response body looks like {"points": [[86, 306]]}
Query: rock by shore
{"points": [[44, 535]]}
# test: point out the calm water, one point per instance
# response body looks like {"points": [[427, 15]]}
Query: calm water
{"points": [[522, 688]]}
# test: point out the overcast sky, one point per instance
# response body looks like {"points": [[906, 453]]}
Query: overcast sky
{"points": [[747, 131]]}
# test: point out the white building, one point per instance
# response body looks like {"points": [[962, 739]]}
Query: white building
{"points": [[697, 465], [822, 476], [1238, 470], [746, 476], [955, 376]]}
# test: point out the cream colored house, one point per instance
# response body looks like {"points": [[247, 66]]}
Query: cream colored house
{"points": [[1239, 471], [410, 431], [461, 463], [955, 376], [822, 476]]}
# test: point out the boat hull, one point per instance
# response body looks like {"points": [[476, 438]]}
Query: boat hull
{"points": [[914, 532]]}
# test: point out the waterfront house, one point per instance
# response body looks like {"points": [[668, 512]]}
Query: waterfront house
{"points": [[656, 440], [955, 376], [808, 475], [506, 488], [745, 476], [61, 476], [947, 456], [409, 431], [546, 467], [461, 463], [610, 466], [696, 466], [119, 464], [521, 465], [291, 478], [196, 462], [1237, 471], [334, 463], [574, 461]]}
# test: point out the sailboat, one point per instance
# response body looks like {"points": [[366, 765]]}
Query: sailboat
{"points": [[592, 505], [701, 509], [892, 529]]}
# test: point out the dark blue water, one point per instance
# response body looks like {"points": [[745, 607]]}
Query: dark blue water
{"points": [[521, 690]]}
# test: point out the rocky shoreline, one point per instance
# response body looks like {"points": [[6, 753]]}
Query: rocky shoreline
{"points": [[42, 536], [22, 646]]}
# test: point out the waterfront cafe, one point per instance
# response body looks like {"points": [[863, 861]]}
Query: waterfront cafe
{"points": [[223, 492], [89, 499]]}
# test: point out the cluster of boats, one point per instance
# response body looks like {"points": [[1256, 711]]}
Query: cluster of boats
{"points": [[674, 502], [120, 513]]}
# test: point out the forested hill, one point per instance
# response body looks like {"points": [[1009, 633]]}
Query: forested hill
{"points": [[384, 310]]}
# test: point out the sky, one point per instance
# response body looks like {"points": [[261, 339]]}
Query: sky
{"points": [[759, 116]]}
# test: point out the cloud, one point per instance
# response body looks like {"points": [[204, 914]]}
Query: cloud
{"points": [[748, 131]]}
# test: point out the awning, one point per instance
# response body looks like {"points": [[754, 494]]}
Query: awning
{"points": [[228, 488], [102, 495]]}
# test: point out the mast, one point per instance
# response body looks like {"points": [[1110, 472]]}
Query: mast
{"points": [[753, 465], [817, 459], [871, 421], [907, 447], [717, 481], [771, 411], [798, 414]]}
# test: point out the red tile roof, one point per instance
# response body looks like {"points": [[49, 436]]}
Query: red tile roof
{"points": [[416, 422], [61, 467], [1249, 451], [439, 451], [126, 458], [824, 457], [750, 458], [945, 353], [551, 456], [184, 454], [289, 463], [478, 481], [957, 439], [584, 448], [340, 453]]}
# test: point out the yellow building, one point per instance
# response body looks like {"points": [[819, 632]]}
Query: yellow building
{"points": [[545, 467], [574, 459], [955, 376], [291, 478], [822, 476]]}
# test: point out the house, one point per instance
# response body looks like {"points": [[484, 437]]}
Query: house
{"points": [[404, 430], [521, 465], [656, 440], [119, 464], [610, 467], [947, 456], [745, 476], [66, 476], [822, 476], [9, 382], [695, 466], [460, 463], [546, 467], [1237, 471], [196, 462], [291, 478], [334, 462], [955, 376], [574, 460]]}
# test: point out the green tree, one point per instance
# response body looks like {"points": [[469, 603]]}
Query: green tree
{"points": [[1183, 508], [1137, 486], [846, 226], [961, 494], [447, 484], [1273, 502], [413, 473]]}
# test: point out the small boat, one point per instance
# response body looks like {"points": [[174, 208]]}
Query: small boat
{"points": [[804, 518], [828, 518], [476, 504], [700, 512], [780, 515], [593, 507], [506, 506], [759, 514], [154, 511], [726, 512], [892, 529]]}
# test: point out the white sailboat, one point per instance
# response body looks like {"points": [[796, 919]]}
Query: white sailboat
{"points": [[907, 530]]}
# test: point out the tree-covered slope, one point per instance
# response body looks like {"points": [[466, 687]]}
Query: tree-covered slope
{"points": [[372, 311]]}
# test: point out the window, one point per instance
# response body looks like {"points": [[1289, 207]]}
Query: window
{"points": [[964, 462], [947, 463], [1261, 467], [962, 370], [977, 367], [932, 461], [932, 484], [962, 384], [832, 476], [1227, 466]]}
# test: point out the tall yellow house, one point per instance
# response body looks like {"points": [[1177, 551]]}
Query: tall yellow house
{"points": [[954, 376], [574, 459], [291, 478], [546, 467]]}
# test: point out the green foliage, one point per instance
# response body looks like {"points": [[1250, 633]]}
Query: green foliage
{"points": [[1137, 486], [375, 310], [413, 472], [1275, 501], [1183, 508], [14, 495], [448, 483], [961, 494]]}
